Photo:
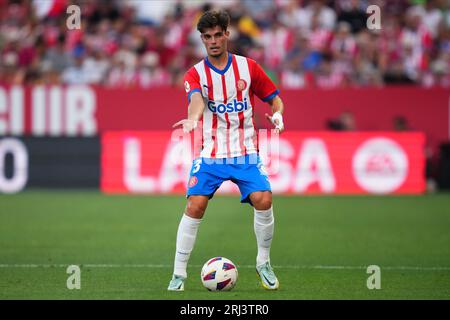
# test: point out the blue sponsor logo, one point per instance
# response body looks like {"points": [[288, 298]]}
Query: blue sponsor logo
{"points": [[233, 106]]}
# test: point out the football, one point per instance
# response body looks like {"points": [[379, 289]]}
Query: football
{"points": [[219, 274]]}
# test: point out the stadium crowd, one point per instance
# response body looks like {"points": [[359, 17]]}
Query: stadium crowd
{"points": [[301, 44]]}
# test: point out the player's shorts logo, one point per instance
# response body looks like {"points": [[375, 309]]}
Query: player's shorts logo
{"points": [[187, 87], [192, 181], [241, 84]]}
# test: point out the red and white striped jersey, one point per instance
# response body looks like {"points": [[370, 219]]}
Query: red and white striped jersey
{"points": [[228, 128]]}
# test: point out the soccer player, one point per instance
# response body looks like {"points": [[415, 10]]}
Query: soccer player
{"points": [[221, 90]]}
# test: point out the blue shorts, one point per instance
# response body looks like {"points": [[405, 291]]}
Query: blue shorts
{"points": [[247, 172]]}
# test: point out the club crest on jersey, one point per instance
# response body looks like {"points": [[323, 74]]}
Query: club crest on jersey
{"points": [[241, 84], [187, 87], [233, 106], [192, 181]]}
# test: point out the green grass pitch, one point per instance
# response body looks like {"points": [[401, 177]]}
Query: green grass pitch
{"points": [[321, 249]]}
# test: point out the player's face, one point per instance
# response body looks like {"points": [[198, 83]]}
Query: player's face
{"points": [[215, 41]]}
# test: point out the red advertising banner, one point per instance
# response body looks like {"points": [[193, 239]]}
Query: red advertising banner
{"points": [[297, 162], [85, 111]]}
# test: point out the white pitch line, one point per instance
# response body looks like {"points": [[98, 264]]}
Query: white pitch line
{"points": [[162, 266]]}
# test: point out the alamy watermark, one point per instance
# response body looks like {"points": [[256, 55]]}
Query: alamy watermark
{"points": [[229, 146], [374, 20], [374, 280], [74, 280], [74, 19]]}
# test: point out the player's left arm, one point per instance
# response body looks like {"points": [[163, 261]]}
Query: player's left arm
{"points": [[277, 113], [265, 89]]}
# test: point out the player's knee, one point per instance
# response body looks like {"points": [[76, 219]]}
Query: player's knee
{"points": [[265, 204], [263, 201], [195, 208]]}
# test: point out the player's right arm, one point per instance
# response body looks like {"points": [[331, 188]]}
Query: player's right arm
{"points": [[196, 103], [195, 112]]}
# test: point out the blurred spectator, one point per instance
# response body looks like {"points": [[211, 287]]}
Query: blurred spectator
{"points": [[77, 73], [260, 10], [430, 15], [416, 41], [150, 73], [343, 49], [368, 64], [328, 76], [151, 14], [97, 66], [443, 167], [333, 125], [57, 57], [325, 15], [121, 74], [354, 13], [275, 42], [243, 30], [345, 122], [400, 123], [106, 10], [300, 43]]}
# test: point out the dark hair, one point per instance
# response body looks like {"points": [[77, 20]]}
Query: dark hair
{"points": [[211, 19]]}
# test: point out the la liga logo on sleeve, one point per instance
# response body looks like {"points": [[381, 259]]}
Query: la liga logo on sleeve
{"points": [[187, 87]]}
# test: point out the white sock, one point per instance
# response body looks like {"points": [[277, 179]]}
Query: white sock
{"points": [[264, 225], [186, 235]]}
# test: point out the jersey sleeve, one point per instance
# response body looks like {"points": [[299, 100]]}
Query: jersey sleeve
{"points": [[191, 82], [261, 85]]}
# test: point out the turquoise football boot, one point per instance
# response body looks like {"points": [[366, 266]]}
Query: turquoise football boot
{"points": [[268, 278], [177, 283]]}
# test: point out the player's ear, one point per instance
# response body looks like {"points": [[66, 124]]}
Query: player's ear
{"points": [[227, 33]]}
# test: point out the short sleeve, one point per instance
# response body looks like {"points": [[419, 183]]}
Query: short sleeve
{"points": [[262, 86], [191, 82]]}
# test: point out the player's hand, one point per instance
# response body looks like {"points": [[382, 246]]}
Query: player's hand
{"points": [[277, 120], [188, 125]]}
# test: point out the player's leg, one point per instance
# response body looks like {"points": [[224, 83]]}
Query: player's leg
{"points": [[186, 236], [203, 182], [187, 232], [255, 188], [264, 223]]}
